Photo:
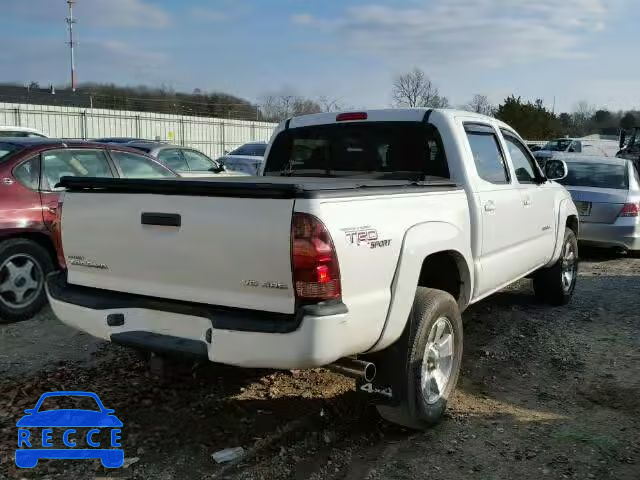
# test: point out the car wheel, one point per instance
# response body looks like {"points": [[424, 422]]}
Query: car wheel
{"points": [[555, 285], [433, 352], [23, 267]]}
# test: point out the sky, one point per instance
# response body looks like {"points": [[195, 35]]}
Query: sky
{"points": [[348, 50]]}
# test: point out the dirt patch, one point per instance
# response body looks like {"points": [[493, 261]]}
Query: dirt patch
{"points": [[544, 393]]}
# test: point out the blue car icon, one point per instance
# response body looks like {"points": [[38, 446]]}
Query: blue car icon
{"points": [[67, 419]]}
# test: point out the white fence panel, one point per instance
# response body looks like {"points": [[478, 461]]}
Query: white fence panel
{"points": [[213, 136]]}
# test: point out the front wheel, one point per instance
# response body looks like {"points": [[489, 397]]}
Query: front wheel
{"points": [[555, 285], [433, 352]]}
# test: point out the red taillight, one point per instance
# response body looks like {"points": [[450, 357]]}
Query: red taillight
{"points": [[630, 210], [344, 117], [316, 274], [56, 233]]}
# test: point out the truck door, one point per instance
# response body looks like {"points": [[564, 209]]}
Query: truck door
{"points": [[537, 203], [497, 201]]}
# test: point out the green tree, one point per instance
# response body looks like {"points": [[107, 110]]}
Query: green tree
{"points": [[628, 121], [532, 120]]}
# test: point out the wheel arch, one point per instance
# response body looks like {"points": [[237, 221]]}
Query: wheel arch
{"points": [[435, 255]]}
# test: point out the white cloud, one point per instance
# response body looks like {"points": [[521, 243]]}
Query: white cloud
{"points": [[208, 15], [487, 32], [100, 13], [126, 13], [302, 19]]}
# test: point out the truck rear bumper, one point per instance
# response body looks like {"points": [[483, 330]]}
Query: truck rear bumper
{"points": [[315, 336]]}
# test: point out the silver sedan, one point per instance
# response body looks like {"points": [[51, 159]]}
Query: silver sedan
{"points": [[606, 192]]}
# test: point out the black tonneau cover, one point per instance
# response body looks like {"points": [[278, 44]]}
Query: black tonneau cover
{"points": [[255, 187]]}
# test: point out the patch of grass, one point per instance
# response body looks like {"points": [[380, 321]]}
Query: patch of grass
{"points": [[602, 442]]}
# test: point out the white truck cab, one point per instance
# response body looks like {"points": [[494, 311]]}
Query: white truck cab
{"points": [[368, 235]]}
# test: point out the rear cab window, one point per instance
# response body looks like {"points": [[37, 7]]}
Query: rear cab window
{"points": [[369, 150]]}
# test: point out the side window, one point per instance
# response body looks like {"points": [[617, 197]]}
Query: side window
{"points": [[27, 173], [197, 161], [137, 166], [487, 153], [576, 147], [173, 159], [523, 164], [73, 163]]}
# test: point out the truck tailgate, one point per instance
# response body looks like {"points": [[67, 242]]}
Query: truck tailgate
{"points": [[227, 250]]}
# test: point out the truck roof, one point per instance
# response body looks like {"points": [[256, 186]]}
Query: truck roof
{"points": [[390, 115]]}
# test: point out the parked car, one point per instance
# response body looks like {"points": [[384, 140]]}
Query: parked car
{"points": [[119, 140], [369, 245], [569, 147], [16, 132], [30, 169], [248, 158], [188, 162], [606, 192]]}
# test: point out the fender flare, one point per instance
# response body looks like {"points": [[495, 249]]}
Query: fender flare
{"points": [[566, 209], [421, 241]]}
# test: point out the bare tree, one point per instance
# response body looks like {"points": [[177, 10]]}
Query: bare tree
{"points": [[480, 104], [415, 89], [582, 114], [278, 107]]}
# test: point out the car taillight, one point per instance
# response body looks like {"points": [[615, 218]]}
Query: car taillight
{"points": [[56, 234], [630, 210], [316, 273]]}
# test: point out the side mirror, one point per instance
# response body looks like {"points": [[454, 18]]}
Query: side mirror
{"points": [[623, 138], [555, 169], [219, 169]]}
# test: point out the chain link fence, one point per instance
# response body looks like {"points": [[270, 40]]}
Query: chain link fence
{"points": [[213, 136]]}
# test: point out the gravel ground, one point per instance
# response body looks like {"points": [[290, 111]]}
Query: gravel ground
{"points": [[544, 393]]}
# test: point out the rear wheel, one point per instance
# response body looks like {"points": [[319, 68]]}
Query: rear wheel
{"points": [[433, 352], [555, 285], [23, 267]]}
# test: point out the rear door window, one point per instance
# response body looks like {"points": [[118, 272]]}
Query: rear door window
{"points": [[487, 154], [73, 163], [371, 150], [137, 166]]}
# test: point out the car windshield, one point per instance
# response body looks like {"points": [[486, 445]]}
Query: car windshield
{"points": [[599, 175], [8, 149], [557, 145], [251, 150], [380, 150], [65, 402]]}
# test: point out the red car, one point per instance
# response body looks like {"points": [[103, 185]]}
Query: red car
{"points": [[30, 169]]}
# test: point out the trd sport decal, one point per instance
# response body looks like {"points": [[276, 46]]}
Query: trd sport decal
{"points": [[365, 236]]}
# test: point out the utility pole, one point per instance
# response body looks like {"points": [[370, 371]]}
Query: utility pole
{"points": [[72, 44]]}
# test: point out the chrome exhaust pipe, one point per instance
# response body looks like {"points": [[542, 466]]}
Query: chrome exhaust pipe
{"points": [[352, 367]]}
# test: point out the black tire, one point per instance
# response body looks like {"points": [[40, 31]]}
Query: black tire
{"points": [[415, 411], [548, 283], [22, 250]]}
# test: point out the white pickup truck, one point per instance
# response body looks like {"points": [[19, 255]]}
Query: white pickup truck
{"points": [[367, 236]]}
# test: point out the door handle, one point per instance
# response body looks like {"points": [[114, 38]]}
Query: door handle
{"points": [[490, 206], [162, 219]]}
